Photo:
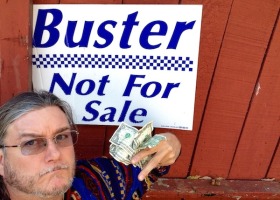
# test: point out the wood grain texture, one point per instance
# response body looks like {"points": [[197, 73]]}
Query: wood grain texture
{"points": [[215, 15], [240, 60], [184, 189], [15, 43], [261, 131], [274, 170]]}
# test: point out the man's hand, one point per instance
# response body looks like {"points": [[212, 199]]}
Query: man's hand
{"points": [[165, 153]]}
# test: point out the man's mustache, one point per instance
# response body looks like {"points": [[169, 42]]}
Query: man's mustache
{"points": [[51, 169]]}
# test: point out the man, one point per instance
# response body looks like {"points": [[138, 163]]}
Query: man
{"points": [[37, 158]]}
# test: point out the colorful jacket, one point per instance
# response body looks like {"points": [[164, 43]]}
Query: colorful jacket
{"points": [[106, 179]]}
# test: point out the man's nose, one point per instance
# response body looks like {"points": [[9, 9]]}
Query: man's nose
{"points": [[52, 151]]}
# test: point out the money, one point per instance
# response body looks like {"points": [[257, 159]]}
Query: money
{"points": [[123, 133], [152, 142], [144, 134], [127, 141]]}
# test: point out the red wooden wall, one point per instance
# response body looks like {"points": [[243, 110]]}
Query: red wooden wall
{"points": [[237, 109]]}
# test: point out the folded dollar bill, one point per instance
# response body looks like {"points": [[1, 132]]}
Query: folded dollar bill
{"points": [[127, 141]]}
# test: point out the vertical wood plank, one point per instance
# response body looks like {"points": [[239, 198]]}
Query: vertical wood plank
{"points": [[245, 41], [274, 170], [215, 14], [15, 46], [262, 129]]}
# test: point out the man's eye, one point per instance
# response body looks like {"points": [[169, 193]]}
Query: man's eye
{"points": [[61, 137], [30, 143]]}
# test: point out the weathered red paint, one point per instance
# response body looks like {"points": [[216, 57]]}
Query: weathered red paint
{"points": [[179, 189]]}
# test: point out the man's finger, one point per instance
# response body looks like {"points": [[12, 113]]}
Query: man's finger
{"points": [[142, 154], [153, 163]]}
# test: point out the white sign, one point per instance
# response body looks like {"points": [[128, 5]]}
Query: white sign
{"points": [[119, 63]]}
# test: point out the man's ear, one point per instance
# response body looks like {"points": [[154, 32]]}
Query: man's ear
{"points": [[2, 162]]}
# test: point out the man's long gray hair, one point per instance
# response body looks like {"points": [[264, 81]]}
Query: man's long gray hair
{"points": [[22, 104]]}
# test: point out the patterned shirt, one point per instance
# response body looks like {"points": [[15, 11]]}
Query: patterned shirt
{"points": [[106, 179]]}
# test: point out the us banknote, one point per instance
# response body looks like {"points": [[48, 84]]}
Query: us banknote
{"points": [[127, 141]]}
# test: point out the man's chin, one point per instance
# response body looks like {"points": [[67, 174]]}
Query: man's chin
{"points": [[56, 182], [55, 187]]}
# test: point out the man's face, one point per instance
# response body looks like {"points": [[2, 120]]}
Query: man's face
{"points": [[47, 174]]}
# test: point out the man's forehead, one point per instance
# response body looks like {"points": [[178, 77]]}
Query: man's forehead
{"points": [[39, 121]]}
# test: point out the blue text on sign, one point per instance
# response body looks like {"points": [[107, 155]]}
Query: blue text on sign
{"points": [[87, 86], [129, 24]]}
